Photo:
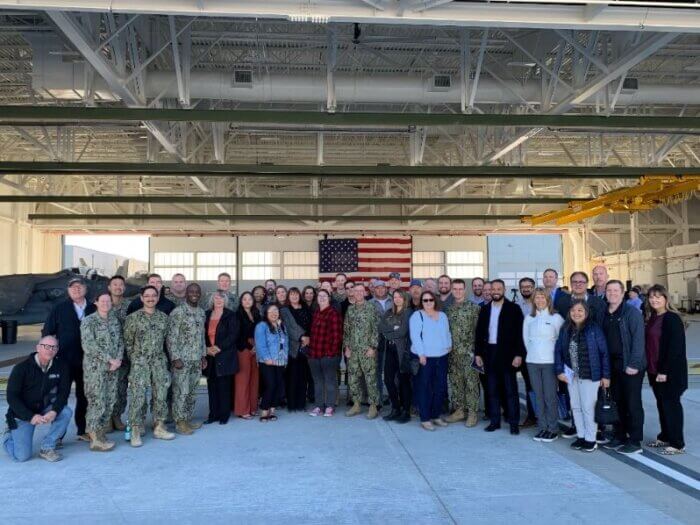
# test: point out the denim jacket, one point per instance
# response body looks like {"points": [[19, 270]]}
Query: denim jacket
{"points": [[271, 345]]}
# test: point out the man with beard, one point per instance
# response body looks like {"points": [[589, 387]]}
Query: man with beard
{"points": [[120, 306], [500, 350], [477, 291], [415, 290], [445, 292], [339, 295], [164, 304], [527, 286]]}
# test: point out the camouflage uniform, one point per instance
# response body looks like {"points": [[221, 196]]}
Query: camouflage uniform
{"points": [[123, 372], [102, 340], [144, 336], [360, 332], [186, 342], [177, 301], [463, 380]]}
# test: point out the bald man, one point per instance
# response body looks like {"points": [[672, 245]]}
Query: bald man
{"points": [[37, 394]]}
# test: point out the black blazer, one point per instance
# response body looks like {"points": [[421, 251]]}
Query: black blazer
{"points": [[226, 339], [246, 328], [672, 354], [596, 306], [510, 335], [63, 323]]}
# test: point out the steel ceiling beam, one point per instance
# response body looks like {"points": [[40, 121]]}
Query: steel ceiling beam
{"points": [[44, 115], [330, 171], [324, 201], [264, 218]]}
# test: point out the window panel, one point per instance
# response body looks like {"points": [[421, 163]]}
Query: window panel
{"points": [[216, 259], [261, 258], [212, 273], [173, 259], [166, 272], [301, 258], [464, 271], [428, 257], [465, 257], [301, 272], [425, 271], [253, 273]]}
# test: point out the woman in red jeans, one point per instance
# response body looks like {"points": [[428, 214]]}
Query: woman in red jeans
{"points": [[246, 380]]}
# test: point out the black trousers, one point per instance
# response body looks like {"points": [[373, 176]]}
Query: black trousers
{"points": [[219, 390], [76, 376], [296, 382], [626, 390], [528, 388], [273, 392], [501, 378], [670, 413], [398, 384]]}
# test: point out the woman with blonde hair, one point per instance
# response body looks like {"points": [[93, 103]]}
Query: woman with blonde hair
{"points": [[667, 368], [540, 332]]}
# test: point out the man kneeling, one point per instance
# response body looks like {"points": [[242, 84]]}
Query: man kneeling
{"points": [[37, 393]]}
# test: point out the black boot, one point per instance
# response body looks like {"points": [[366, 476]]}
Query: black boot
{"points": [[393, 415]]}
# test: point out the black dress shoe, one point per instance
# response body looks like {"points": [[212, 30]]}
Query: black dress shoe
{"points": [[223, 421], [393, 415], [492, 428], [209, 421], [404, 417], [515, 430]]}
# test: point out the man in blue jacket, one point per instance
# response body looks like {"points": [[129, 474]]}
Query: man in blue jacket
{"points": [[64, 323], [37, 393], [624, 332]]}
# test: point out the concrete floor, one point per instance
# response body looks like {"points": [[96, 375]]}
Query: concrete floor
{"points": [[341, 470]]}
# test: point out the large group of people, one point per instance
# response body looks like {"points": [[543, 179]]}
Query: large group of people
{"points": [[434, 348]]}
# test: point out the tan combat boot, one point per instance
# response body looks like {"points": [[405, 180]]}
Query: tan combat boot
{"points": [[98, 443], [161, 432], [454, 417], [136, 437], [108, 428], [373, 412], [356, 409], [181, 427], [193, 425], [117, 423], [472, 420]]}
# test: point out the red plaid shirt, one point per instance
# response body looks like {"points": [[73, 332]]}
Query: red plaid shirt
{"points": [[326, 334]]}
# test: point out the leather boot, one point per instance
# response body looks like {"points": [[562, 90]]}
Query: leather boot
{"points": [[161, 432], [472, 420], [405, 417], [454, 417], [356, 409], [181, 427], [193, 425], [109, 428], [97, 444], [373, 412], [393, 415], [136, 436], [117, 423]]}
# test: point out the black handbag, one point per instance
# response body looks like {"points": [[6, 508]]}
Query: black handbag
{"points": [[226, 363], [606, 412]]}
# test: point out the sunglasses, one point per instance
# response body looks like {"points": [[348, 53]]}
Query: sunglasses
{"points": [[428, 300]]}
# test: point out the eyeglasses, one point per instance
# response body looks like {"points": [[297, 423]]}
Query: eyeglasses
{"points": [[53, 348], [428, 300], [579, 282]]}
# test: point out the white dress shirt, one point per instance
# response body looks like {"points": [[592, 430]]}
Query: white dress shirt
{"points": [[80, 309], [493, 323]]}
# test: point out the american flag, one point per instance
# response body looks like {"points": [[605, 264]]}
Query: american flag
{"points": [[364, 258]]}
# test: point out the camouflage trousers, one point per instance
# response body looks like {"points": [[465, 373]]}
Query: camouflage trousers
{"points": [[122, 385], [185, 382], [362, 367], [144, 374], [463, 382], [100, 391]]}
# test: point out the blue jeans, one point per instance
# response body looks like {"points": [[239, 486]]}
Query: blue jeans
{"points": [[18, 442], [431, 387]]}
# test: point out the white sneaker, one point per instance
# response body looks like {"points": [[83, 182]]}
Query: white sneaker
{"points": [[329, 412], [315, 412]]}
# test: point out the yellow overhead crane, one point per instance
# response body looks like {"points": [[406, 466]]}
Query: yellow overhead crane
{"points": [[648, 194]]}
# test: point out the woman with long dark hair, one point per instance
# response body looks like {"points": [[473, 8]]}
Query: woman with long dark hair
{"points": [[247, 379], [324, 354], [308, 295], [260, 296], [393, 335], [667, 368], [272, 349]]}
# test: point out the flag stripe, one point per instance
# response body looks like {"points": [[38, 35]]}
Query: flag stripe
{"points": [[384, 250], [405, 240], [406, 260]]}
